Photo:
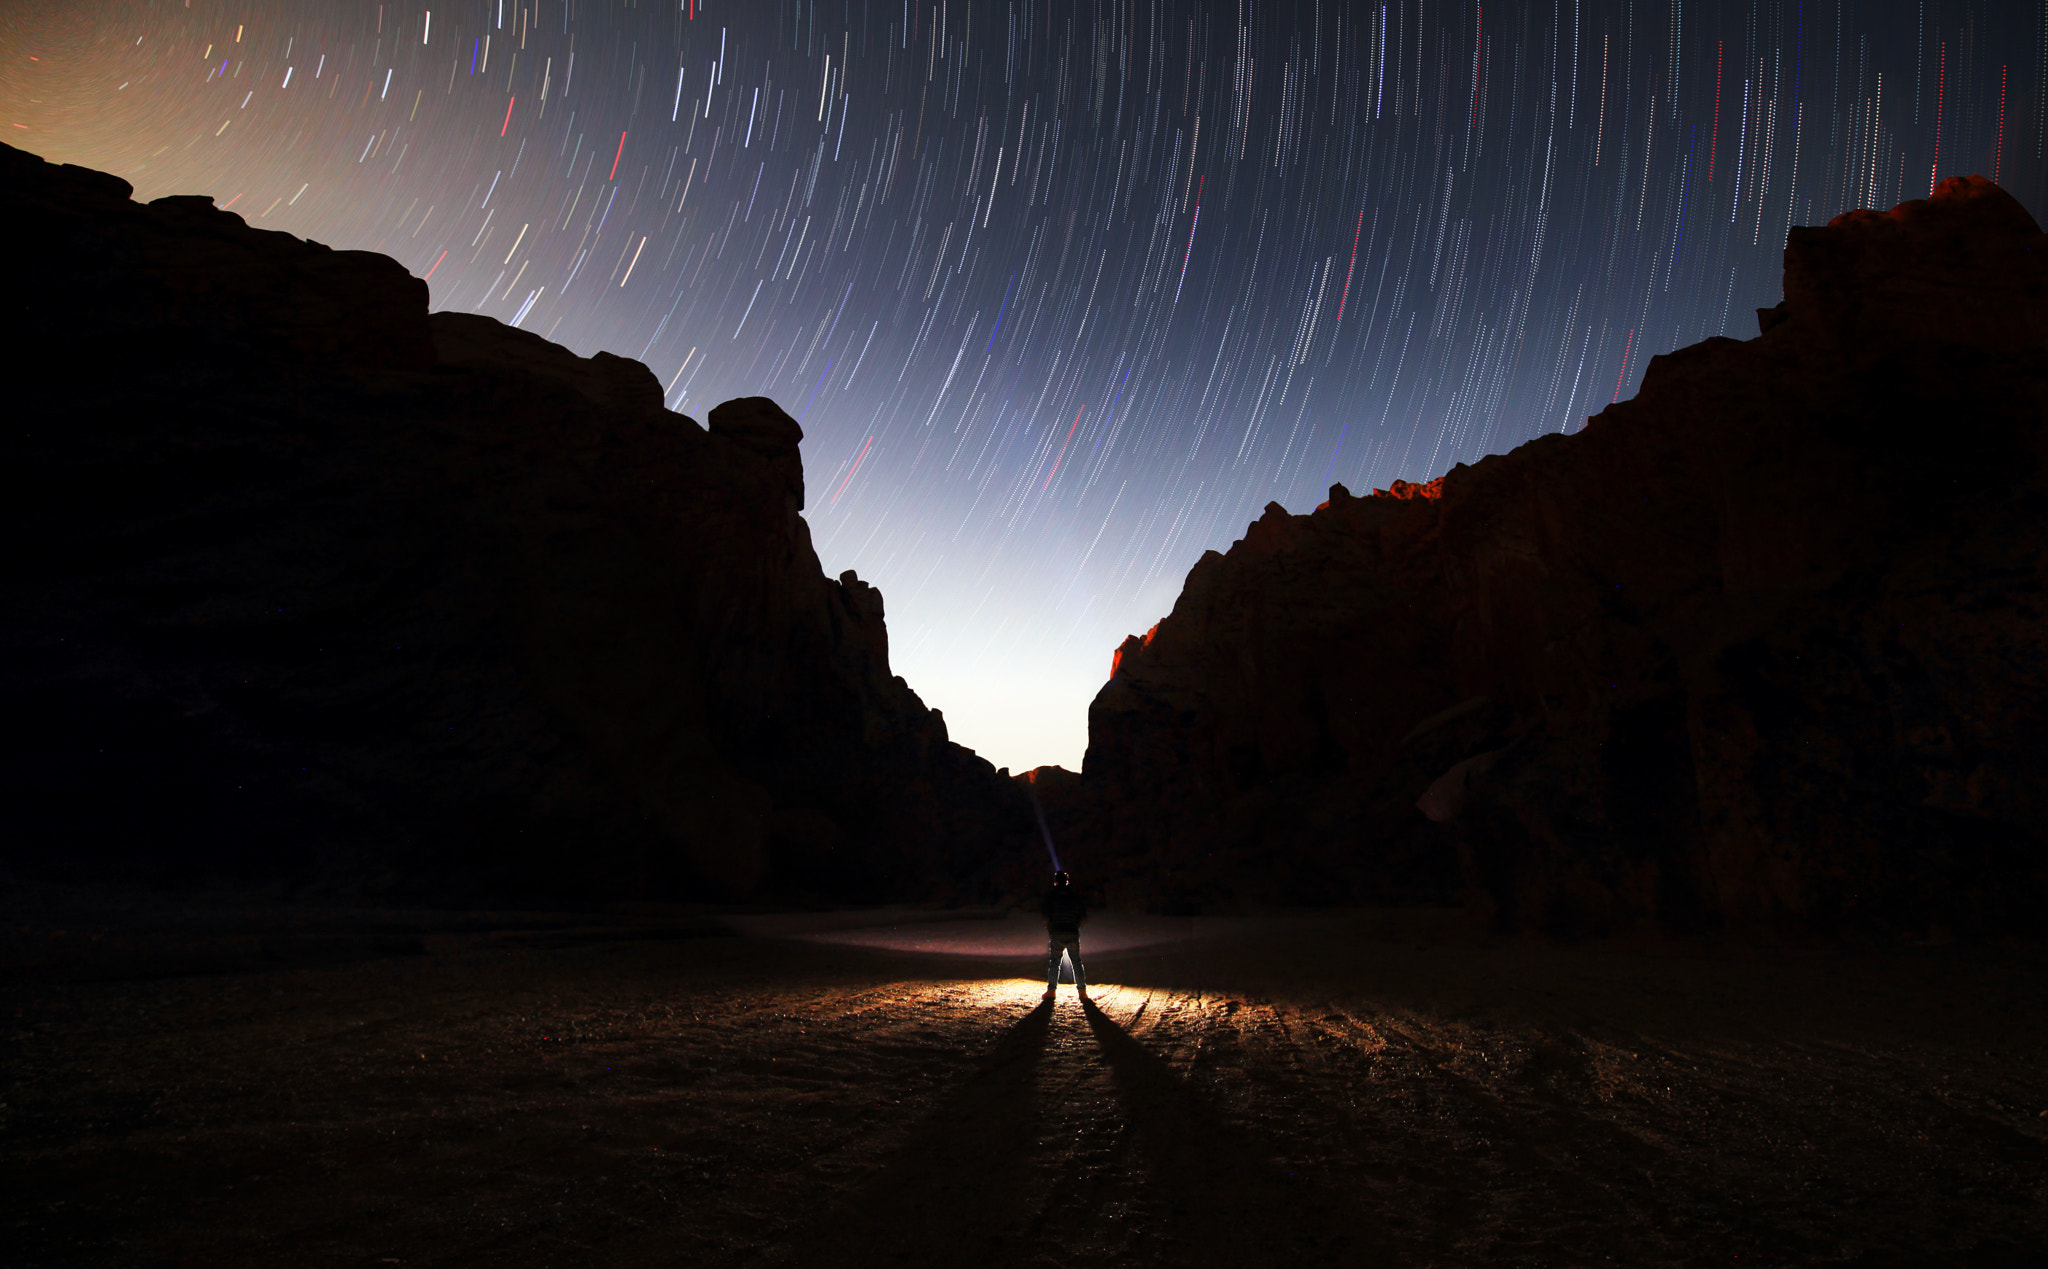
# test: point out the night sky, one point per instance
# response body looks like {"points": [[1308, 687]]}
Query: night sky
{"points": [[1063, 293]]}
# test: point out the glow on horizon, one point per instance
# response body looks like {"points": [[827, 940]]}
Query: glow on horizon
{"points": [[1064, 294]]}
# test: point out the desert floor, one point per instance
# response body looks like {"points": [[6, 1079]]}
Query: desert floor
{"points": [[241, 1084]]}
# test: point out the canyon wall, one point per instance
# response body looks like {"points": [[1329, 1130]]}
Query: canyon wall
{"points": [[1763, 648], [306, 585]]}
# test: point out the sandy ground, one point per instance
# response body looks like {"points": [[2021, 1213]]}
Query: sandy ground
{"points": [[247, 1086]]}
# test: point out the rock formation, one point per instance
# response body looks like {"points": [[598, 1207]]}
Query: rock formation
{"points": [[307, 584], [1764, 648]]}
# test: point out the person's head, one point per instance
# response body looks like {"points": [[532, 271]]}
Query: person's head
{"points": [[1059, 879]]}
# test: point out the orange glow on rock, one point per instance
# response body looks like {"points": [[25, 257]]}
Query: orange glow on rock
{"points": [[1132, 643], [1406, 489]]}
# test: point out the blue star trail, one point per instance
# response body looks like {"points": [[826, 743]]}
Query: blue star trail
{"points": [[1063, 293]]}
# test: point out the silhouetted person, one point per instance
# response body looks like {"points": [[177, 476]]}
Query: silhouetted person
{"points": [[1064, 913]]}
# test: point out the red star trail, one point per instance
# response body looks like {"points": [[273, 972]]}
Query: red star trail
{"points": [[936, 229]]}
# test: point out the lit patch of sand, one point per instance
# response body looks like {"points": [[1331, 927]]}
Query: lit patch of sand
{"points": [[1349, 1090]]}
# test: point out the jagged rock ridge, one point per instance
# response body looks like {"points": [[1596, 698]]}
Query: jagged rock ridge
{"points": [[1765, 647], [306, 583]]}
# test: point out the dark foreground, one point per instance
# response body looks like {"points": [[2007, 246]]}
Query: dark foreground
{"points": [[653, 1088]]}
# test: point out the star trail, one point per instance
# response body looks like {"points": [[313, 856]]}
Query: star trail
{"points": [[1063, 293]]}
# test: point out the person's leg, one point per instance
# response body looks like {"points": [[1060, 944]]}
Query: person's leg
{"points": [[1071, 945], [1053, 947]]}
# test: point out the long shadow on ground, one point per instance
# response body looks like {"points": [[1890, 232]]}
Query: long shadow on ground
{"points": [[949, 1195], [1228, 1201], [1119, 1160]]}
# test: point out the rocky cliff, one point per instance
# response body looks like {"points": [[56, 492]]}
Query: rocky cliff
{"points": [[1765, 647], [304, 583]]}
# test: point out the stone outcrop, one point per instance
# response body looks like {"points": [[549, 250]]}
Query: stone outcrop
{"points": [[307, 584], [1764, 648]]}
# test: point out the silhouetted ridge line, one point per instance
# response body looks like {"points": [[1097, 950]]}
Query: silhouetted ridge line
{"points": [[313, 587], [1763, 648]]}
